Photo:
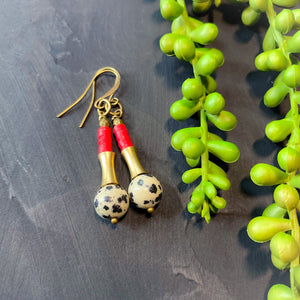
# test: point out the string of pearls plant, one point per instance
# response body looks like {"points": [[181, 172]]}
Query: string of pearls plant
{"points": [[279, 222], [187, 41]]}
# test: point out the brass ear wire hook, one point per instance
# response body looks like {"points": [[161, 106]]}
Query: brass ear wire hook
{"points": [[98, 104]]}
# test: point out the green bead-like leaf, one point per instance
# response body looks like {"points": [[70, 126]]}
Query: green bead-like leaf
{"points": [[295, 181], [202, 7], [275, 211], [296, 13], [272, 60], [178, 25], [286, 3], [204, 34], [183, 109], [213, 137], [218, 202], [184, 49], [262, 229], [219, 56], [280, 265], [289, 159], [210, 190], [170, 9], [219, 181], [192, 208], [226, 151], [198, 198], [181, 135], [291, 76], [194, 23], [191, 175], [276, 60], [259, 5], [215, 169], [192, 89], [261, 61], [214, 103], [225, 120], [192, 162], [286, 196], [275, 95], [267, 175], [269, 42], [250, 16], [209, 83], [278, 131], [280, 292], [278, 79], [206, 64], [293, 44], [193, 148], [284, 247], [167, 41], [284, 21]]}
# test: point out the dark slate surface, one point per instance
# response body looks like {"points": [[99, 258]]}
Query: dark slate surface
{"points": [[52, 245]]}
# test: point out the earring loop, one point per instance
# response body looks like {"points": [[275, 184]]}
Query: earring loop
{"points": [[103, 107], [92, 83]]}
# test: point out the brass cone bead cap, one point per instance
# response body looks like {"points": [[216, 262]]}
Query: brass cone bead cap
{"points": [[107, 162], [133, 163], [103, 122]]}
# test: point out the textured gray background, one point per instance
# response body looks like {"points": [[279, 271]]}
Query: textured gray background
{"points": [[52, 245]]}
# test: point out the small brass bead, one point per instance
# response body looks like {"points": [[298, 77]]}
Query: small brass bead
{"points": [[150, 210], [117, 121], [103, 122], [114, 220]]}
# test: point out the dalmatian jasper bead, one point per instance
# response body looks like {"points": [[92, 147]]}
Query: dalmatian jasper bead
{"points": [[145, 191], [111, 201]]}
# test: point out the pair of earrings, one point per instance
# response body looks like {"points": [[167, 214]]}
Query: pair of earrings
{"points": [[145, 191]]}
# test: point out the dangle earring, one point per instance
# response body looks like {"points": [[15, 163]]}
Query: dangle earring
{"points": [[111, 201], [145, 190]]}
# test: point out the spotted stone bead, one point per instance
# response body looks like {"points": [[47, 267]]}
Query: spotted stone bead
{"points": [[111, 201], [145, 191]]}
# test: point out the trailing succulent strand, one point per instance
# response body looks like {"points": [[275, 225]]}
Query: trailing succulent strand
{"points": [[187, 41], [279, 223]]}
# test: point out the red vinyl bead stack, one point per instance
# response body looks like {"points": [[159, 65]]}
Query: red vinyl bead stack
{"points": [[122, 136], [104, 139]]}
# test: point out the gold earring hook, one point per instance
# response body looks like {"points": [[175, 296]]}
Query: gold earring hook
{"points": [[96, 103]]}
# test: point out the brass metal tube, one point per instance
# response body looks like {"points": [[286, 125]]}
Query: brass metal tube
{"points": [[107, 161], [133, 163]]}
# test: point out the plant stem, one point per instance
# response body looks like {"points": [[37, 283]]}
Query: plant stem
{"points": [[295, 262], [204, 137], [295, 137], [294, 140], [295, 232], [271, 15], [204, 156], [204, 129], [182, 3], [184, 13]]}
